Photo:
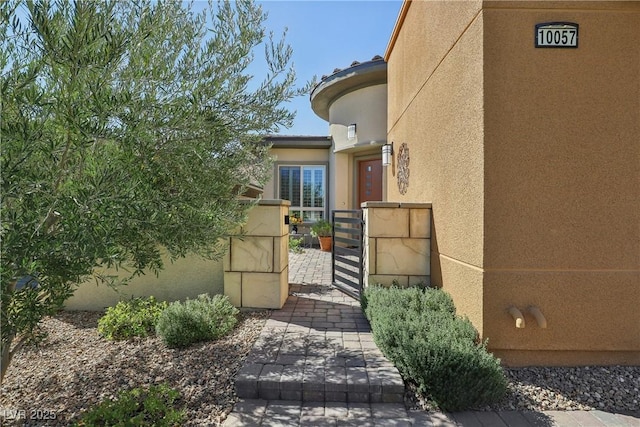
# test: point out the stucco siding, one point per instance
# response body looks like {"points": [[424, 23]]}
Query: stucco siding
{"points": [[531, 160], [430, 30], [184, 278], [562, 183], [442, 127], [364, 107], [562, 160], [294, 156], [586, 312]]}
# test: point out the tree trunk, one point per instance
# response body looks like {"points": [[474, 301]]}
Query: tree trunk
{"points": [[7, 355]]}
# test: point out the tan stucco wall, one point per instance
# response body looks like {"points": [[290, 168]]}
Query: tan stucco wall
{"points": [[435, 107], [341, 178], [531, 159], [184, 278], [294, 155], [562, 179], [429, 31], [343, 181], [367, 108]]}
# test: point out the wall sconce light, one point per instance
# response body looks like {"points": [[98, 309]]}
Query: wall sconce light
{"points": [[387, 153], [351, 131]]}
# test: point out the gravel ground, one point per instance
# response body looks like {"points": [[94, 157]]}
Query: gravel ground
{"points": [[76, 368], [606, 388]]}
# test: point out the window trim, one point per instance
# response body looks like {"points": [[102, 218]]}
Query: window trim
{"points": [[327, 195]]}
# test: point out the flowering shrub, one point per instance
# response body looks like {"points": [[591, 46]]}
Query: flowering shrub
{"points": [[293, 219]]}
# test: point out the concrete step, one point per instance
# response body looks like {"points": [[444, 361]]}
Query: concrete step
{"points": [[318, 382], [318, 369], [318, 348]]}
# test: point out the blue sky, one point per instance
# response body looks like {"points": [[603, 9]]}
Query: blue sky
{"points": [[325, 35]]}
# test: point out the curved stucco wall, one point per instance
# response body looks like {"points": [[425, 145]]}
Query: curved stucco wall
{"points": [[367, 108]]}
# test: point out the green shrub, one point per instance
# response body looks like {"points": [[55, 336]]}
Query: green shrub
{"points": [[419, 331], [202, 319], [295, 245], [136, 317], [155, 406], [412, 299]]}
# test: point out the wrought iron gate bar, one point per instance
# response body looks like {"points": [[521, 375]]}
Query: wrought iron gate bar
{"points": [[343, 230], [348, 261], [349, 220], [352, 242], [347, 253]]}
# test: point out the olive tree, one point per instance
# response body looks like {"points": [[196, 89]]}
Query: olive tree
{"points": [[127, 128]]}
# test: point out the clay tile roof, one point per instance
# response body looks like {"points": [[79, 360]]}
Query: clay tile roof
{"points": [[353, 64]]}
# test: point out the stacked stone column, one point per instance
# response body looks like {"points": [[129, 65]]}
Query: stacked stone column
{"points": [[397, 243], [256, 264]]}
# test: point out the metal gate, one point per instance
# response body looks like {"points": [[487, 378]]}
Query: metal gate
{"points": [[346, 256]]}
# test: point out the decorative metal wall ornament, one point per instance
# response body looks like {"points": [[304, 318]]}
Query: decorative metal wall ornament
{"points": [[403, 168]]}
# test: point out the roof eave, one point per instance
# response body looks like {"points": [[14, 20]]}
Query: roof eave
{"points": [[396, 29], [367, 74]]}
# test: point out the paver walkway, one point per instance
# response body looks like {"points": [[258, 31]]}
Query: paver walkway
{"points": [[312, 266], [315, 364], [274, 413], [318, 348]]}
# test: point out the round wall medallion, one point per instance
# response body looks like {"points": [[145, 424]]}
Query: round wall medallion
{"points": [[403, 168]]}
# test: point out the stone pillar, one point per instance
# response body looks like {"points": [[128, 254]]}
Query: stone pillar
{"points": [[256, 266], [397, 243]]}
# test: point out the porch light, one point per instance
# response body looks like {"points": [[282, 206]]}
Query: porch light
{"points": [[351, 131], [387, 153]]}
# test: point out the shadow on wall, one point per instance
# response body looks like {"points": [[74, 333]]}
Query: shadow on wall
{"points": [[436, 269]]}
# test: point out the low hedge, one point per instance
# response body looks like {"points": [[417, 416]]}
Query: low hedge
{"points": [[203, 319], [136, 317], [419, 331]]}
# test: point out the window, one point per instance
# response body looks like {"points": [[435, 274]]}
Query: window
{"points": [[304, 187]]}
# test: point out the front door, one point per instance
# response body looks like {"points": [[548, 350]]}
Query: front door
{"points": [[369, 180]]}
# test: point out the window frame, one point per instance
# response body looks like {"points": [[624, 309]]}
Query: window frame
{"points": [[324, 210]]}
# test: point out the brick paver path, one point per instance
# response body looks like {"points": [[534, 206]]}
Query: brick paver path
{"points": [[311, 266], [248, 412], [318, 348]]}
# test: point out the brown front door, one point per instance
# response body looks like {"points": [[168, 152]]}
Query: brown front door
{"points": [[369, 181]]}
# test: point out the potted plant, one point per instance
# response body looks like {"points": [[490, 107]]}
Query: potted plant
{"points": [[295, 221], [322, 230]]}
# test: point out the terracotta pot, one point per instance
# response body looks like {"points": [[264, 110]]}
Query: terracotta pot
{"points": [[325, 243]]}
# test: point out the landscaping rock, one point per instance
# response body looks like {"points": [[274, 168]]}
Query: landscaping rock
{"points": [[75, 368]]}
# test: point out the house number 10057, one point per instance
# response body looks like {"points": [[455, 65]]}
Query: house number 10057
{"points": [[557, 34]]}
